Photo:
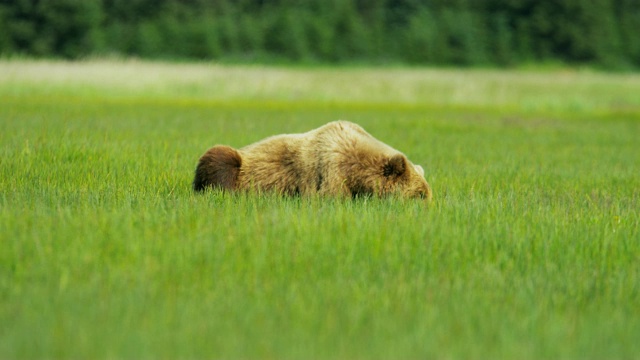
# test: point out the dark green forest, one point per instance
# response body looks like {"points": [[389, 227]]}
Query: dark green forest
{"points": [[600, 33]]}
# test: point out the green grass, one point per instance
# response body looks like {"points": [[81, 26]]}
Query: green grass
{"points": [[530, 249]]}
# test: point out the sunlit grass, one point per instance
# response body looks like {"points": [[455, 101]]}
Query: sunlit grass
{"points": [[529, 249]]}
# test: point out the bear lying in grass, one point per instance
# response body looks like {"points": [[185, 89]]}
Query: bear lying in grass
{"points": [[339, 159]]}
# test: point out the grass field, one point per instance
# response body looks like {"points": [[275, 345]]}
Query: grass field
{"points": [[529, 250]]}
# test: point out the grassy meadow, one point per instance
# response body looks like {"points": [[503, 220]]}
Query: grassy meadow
{"points": [[529, 250]]}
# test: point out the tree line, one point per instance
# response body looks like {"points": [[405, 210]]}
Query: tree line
{"points": [[603, 33]]}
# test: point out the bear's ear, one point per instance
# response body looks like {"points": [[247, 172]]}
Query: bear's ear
{"points": [[395, 166]]}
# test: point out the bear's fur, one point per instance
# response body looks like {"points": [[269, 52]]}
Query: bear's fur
{"points": [[339, 158]]}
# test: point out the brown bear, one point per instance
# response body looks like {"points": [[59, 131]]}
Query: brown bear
{"points": [[339, 158]]}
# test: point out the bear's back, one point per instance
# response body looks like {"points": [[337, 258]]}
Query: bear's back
{"points": [[346, 139], [315, 161]]}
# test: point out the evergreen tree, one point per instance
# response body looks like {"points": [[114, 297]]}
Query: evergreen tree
{"points": [[462, 32]]}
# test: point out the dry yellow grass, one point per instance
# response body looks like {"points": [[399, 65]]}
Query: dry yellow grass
{"points": [[559, 90]]}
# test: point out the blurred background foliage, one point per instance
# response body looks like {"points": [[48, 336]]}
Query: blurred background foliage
{"points": [[601, 33]]}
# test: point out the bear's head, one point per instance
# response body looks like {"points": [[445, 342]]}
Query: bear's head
{"points": [[402, 177]]}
